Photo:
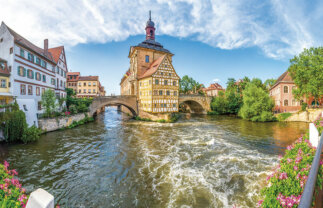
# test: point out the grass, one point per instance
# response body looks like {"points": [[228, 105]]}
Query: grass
{"points": [[283, 116]]}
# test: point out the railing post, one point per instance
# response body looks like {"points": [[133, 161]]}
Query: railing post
{"points": [[307, 195]]}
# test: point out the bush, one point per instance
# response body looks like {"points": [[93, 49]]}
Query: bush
{"points": [[287, 182], [31, 134], [257, 105], [73, 109], [13, 125], [82, 107], [12, 195], [304, 106]]}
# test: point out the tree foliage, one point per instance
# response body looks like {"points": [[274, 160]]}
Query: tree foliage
{"points": [[306, 70], [257, 105], [48, 101], [189, 85], [269, 83]]}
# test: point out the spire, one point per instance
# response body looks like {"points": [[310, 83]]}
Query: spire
{"points": [[150, 28]]}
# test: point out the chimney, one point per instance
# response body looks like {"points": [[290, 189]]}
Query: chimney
{"points": [[46, 46]]}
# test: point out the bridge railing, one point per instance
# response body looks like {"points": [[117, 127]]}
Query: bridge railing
{"points": [[307, 196]]}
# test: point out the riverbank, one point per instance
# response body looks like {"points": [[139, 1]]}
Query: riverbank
{"points": [[305, 116]]}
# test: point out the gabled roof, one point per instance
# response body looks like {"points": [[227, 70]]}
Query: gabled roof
{"points": [[56, 52], [214, 86], [153, 67], [73, 73], [24, 42], [285, 77]]}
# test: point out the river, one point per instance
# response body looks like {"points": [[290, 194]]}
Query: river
{"points": [[200, 161]]}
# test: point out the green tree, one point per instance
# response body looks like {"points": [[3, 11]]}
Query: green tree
{"points": [[257, 105], [306, 70], [234, 101], [231, 84], [48, 101], [188, 84], [269, 83], [219, 104]]}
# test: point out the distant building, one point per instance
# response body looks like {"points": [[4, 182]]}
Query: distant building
{"points": [[32, 71], [5, 94], [151, 76], [282, 94], [89, 86], [72, 79], [213, 90]]}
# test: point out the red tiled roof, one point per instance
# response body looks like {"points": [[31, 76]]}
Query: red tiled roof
{"points": [[89, 78], [153, 67], [214, 86], [73, 73], [56, 52], [285, 77], [24, 42]]}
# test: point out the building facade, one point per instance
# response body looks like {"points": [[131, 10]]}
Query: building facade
{"points": [[33, 70], [5, 94], [151, 76], [282, 93], [213, 90], [72, 79]]}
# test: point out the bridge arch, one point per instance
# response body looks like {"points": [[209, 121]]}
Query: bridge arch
{"points": [[129, 102], [198, 104]]}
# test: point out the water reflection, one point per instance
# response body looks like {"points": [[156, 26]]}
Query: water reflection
{"points": [[201, 161]]}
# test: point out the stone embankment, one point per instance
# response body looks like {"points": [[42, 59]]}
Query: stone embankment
{"points": [[305, 116], [52, 124]]}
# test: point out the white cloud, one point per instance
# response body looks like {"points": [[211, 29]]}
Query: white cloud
{"points": [[216, 80], [280, 28]]}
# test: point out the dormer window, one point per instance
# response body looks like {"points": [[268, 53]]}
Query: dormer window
{"points": [[147, 59]]}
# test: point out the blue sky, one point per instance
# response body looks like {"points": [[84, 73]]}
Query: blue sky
{"points": [[211, 39]]}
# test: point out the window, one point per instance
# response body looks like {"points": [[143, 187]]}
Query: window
{"points": [[285, 89], [57, 70], [149, 82], [165, 82], [155, 105], [52, 81], [42, 91], [160, 92], [22, 52], [11, 50], [89, 83], [1, 40], [61, 83], [174, 83], [3, 83], [22, 89], [161, 105], [89, 90], [170, 74], [147, 59], [62, 73], [69, 84], [39, 105], [93, 90], [94, 83], [293, 103], [165, 105], [156, 81], [84, 90], [80, 84], [38, 76], [21, 71], [30, 90], [43, 63], [140, 84], [84, 83], [38, 60], [285, 102], [161, 73], [25, 107], [53, 69], [80, 91], [30, 74], [175, 93], [174, 105], [44, 78], [31, 57], [155, 92], [167, 92], [37, 91]]}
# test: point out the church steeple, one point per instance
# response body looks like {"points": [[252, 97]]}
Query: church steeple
{"points": [[150, 29]]}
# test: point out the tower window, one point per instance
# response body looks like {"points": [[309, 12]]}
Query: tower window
{"points": [[151, 33], [147, 59]]}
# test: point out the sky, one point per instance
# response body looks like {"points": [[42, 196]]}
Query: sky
{"points": [[212, 40]]}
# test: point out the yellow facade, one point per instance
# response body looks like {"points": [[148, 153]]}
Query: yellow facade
{"points": [[87, 89], [158, 93], [4, 90]]}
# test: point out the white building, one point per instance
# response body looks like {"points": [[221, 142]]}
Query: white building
{"points": [[33, 70]]}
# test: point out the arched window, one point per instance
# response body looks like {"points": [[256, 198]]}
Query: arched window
{"points": [[147, 59], [285, 102], [151, 33], [285, 89]]}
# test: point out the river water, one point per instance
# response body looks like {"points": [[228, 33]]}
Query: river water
{"points": [[200, 161]]}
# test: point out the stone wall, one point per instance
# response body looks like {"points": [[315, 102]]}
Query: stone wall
{"points": [[305, 116], [52, 124], [155, 116]]}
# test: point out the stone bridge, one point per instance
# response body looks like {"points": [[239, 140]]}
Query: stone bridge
{"points": [[196, 103], [129, 101]]}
